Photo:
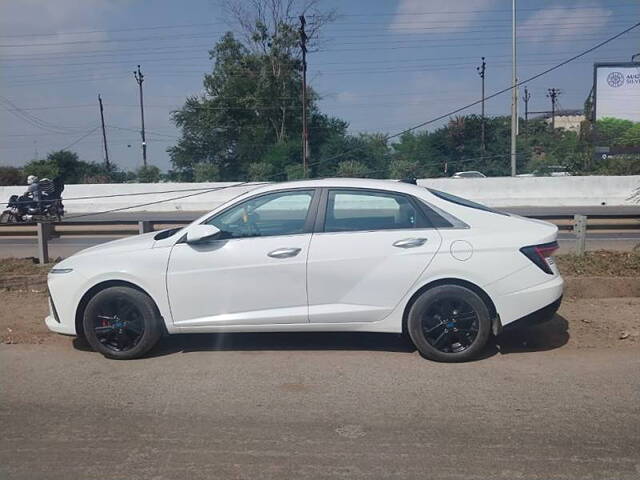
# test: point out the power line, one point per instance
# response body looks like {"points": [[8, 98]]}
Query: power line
{"points": [[81, 138], [499, 92], [113, 210]]}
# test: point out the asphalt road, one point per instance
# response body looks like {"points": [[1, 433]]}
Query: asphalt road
{"points": [[329, 406], [65, 246]]}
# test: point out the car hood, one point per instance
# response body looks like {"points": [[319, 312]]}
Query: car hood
{"points": [[128, 244]]}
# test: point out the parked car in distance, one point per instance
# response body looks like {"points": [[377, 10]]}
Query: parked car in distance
{"points": [[317, 255], [469, 174]]}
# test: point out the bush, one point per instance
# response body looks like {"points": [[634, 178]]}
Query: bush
{"points": [[148, 174], [206, 172], [11, 176]]}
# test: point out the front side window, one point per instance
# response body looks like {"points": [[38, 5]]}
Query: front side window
{"points": [[349, 211], [280, 213]]}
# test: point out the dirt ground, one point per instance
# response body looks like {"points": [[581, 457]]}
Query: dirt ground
{"points": [[580, 323]]}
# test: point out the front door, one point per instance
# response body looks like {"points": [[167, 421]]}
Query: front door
{"points": [[372, 247], [253, 273]]}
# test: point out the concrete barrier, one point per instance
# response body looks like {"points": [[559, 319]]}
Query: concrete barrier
{"points": [[541, 191], [497, 192]]}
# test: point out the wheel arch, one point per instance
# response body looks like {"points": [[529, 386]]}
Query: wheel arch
{"points": [[495, 321], [89, 294]]}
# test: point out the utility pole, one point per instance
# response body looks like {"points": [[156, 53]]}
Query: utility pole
{"points": [[481, 69], [104, 134], [553, 95], [514, 90], [139, 79], [305, 131], [526, 98]]}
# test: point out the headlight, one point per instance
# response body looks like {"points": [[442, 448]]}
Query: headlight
{"points": [[60, 270]]}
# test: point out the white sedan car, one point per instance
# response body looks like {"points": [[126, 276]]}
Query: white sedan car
{"points": [[317, 255]]}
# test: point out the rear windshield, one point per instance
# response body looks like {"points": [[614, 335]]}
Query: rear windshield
{"points": [[463, 201]]}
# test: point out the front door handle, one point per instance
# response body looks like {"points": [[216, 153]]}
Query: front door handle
{"points": [[284, 252], [410, 242]]}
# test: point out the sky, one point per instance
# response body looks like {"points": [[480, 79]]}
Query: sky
{"points": [[382, 65]]}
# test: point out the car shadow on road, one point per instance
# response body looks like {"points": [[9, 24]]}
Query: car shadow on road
{"points": [[535, 338], [186, 343], [547, 336]]}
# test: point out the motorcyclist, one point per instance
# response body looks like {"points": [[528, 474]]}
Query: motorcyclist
{"points": [[33, 188], [31, 198]]}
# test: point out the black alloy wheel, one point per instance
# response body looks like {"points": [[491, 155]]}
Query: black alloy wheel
{"points": [[122, 322], [449, 323], [119, 325]]}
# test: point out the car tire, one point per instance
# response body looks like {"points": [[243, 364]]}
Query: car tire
{"points": [[449, 323], [122, 323]]}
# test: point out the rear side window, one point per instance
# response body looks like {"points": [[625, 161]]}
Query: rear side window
{"points": [[463, 201], [349, 211]]}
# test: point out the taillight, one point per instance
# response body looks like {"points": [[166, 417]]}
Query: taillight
{"points": [[538, 254]]}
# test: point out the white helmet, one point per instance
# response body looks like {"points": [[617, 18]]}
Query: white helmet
{"points": [[31, 179]]}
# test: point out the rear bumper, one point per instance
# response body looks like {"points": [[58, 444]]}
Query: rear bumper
{"points": [[514, 305], [542, 315]]}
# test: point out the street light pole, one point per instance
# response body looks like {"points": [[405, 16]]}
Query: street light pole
{"points": [[514, 91], [305, 130]]}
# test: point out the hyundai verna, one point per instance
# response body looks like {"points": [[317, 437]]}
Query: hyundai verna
{"points": [[317, 255]]}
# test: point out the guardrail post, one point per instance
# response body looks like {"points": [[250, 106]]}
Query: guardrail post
{"points": [[43, 242], [580, 229], [145, 226]]}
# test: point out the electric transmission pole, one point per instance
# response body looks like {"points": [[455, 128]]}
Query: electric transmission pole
{"points": [[481, 69], [104, 134], [553, 95], [139, 79], [305, 131]]}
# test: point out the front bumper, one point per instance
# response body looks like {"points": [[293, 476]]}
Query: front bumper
{"points": [[56, 327]]}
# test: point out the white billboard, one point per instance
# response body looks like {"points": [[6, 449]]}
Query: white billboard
{"points": [[617, 90]]}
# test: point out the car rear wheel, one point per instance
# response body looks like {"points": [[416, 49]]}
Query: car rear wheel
{"points": [[121, 323], [449, 323]]}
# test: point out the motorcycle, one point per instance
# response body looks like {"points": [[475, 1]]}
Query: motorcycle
{"points": [[24, 209]]}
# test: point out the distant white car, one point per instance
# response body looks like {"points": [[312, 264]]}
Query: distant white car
{"points": [[469, 174], [317, 255]]}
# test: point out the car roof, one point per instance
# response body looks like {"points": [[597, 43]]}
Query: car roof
{"points": [[391, 185]]}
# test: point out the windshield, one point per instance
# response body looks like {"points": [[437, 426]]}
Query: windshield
{"points": [[463, 201]]}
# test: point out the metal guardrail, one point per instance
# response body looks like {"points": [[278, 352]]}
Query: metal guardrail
{"points": [[578, 224]]}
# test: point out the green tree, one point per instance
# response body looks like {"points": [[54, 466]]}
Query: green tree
{"points": [[148, 174], [353, 169], [260, 172], [62, 163], [11, 176], [250, 111], [206, 172]]}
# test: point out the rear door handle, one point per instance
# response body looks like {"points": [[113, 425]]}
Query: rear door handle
{"points": [[284, 252], [410, 242]]}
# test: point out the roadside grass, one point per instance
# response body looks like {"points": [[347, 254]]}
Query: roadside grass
{"points": [[22, 266], [600, 263]]}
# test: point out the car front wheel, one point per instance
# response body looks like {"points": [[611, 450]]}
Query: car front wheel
{"points": [[121, 323], [449, 323]]}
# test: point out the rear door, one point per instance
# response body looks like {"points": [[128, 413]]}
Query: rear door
{"points": [[368, 248]]}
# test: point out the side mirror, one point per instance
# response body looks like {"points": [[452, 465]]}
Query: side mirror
{"points": [[198, 233]]}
